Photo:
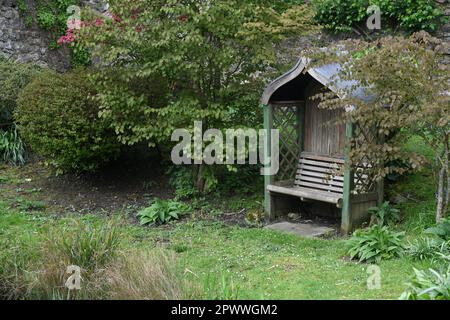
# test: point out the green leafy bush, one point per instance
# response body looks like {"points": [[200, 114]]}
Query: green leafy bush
{"points": [[428, 248], [417, 15], [52, 15], [385, 215], [428, 285], [12, 149], [442, 230], [375, 244], [279, 6], [46, 19], [162, 211], [182, 179], [340, 15], [146, 91], [14, 76], [59, 119], [410, 15]]}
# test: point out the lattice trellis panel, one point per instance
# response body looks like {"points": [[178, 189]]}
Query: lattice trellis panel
{"points": [[364, 176], [285, 119]]}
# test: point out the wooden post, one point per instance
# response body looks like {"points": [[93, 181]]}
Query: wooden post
{"points": [[301, 126], [349, 180], [268, 179]]}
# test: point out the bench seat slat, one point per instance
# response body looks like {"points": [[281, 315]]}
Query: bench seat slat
{"points": [[318, 186], [322, 176], [320, 181], [308, 155], [310, 194], [330, 165], [303, 167]]}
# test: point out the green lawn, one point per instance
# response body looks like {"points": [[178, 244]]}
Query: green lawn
{"points": [[249, 263], [259, 264]]}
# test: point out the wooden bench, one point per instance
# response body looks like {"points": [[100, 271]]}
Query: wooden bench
{"points": [[318, 178]]}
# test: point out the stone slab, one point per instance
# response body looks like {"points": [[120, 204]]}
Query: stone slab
{"points": [[302, 229]]}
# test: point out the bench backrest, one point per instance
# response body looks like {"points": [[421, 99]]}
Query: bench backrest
{"points": [[320, 173]]}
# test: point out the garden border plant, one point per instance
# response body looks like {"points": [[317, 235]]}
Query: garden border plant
{"points": [[409, 15], [61, 122]]}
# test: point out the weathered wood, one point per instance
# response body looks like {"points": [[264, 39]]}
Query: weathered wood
{"points": [[349, 179], [320, 174], [331, 182], [360, 212], [317, 169], [323, 176], [362, 198], [301, 126], [330, 165], [268, 179], [309, 155], [323, 135], [307, 194], [282, 204], [318, 186]]}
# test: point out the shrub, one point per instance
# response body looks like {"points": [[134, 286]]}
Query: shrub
{"points": [[59, 119], [410, 15], [14, 77], [146, 92], [375, 244], [233, 180], [428, 248], [12, 149], [428, 285], [162, 211], [340, 15], [415, 15], [182, 179], [442, 230], [385, 215]]}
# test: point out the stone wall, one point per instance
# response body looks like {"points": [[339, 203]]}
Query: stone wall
{"points": [[445, 30], [30, 43], [444, 33]]}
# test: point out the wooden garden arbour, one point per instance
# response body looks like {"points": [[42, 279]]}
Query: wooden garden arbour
{"points": [[314, 149]]}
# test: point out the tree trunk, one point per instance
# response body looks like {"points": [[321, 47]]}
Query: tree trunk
{"points": [[447, 172], [441, 196], [200, 183]]}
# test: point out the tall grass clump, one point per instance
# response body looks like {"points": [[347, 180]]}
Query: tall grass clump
{"points": [[147, 275], [15, 258], [12, 148], [92, 248], [37, 267], [222, 288]]}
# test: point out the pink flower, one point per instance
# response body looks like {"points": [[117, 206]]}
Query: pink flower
{"points": [[98, 22], [67, 38]]}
